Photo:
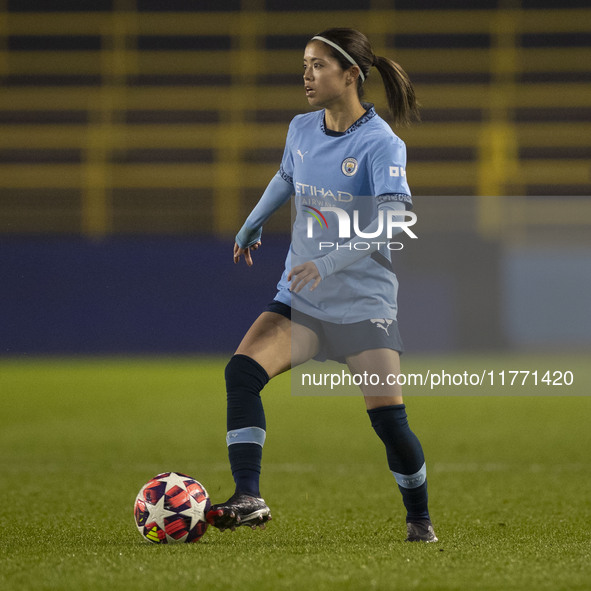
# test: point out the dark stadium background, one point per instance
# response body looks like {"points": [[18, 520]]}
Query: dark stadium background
{"points": [[135, 136]]}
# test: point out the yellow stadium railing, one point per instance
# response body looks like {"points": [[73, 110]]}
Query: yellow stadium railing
{"points": [[250, 113]]}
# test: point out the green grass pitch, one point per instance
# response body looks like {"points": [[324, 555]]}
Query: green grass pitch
{"points": [[509, 480]]}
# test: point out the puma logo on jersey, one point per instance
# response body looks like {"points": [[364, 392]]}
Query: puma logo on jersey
{"points": [[383, 323], [302, 155]]}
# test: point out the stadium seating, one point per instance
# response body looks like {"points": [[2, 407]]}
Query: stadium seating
{"points": [[130, 119]]}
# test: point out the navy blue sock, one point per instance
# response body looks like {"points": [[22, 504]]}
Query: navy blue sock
{"points": [[405, 458], [246, 425]]}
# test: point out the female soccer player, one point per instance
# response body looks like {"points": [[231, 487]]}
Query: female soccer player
{"points": [[343, 301]]}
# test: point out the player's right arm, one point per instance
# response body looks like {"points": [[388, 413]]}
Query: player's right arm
{"points": [[278, 192]]}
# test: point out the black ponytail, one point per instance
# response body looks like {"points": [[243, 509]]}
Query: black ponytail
{"points": [[399, 89]]}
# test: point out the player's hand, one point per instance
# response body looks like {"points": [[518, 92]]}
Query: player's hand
{"points": [[238, 252], [302, 275]]}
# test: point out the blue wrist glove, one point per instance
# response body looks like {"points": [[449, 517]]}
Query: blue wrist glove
{"points": [[248, 236]]}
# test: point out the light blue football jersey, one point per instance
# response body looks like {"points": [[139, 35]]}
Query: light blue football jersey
{"points": [[355, 171]]}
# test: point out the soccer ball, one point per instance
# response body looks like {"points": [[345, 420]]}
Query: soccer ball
{"points": [[171, 509]]}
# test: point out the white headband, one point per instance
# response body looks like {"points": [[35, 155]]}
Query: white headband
{"points": [[343, 52]]}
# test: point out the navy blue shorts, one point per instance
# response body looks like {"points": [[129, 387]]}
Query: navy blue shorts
{"points": [[338, 341]]}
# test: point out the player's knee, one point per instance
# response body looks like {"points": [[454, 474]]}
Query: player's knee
{"points": [[232, 372], [244, 373]]}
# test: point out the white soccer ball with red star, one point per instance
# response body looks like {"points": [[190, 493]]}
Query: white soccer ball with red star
{"points": [[171, 509]]}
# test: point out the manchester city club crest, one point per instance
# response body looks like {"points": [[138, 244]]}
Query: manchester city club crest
{"points": [[349, 166]]}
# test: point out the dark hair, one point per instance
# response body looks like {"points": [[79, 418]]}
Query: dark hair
{"points": [[399, 89]]}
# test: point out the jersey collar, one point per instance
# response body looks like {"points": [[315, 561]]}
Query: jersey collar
{"points": [[370, 113]]}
